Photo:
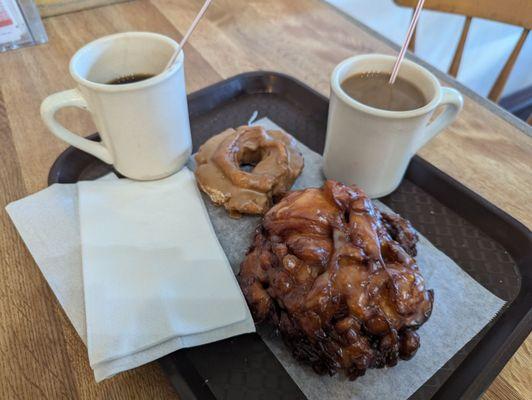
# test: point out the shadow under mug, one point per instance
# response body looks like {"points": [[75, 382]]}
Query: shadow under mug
{"points": [[144, 126], [371, 147]]}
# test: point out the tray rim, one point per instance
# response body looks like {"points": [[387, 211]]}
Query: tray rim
{"points": [[468, 386]]}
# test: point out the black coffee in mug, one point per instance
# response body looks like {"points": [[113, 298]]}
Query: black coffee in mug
{"points": [[373, 89], [122, 80]]}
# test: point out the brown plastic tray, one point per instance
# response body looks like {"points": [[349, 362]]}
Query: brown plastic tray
{"points": [[487, 243]]}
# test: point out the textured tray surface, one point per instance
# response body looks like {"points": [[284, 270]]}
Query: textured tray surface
{"points": [[303, 114]]}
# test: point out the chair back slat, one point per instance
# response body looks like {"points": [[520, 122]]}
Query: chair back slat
{"points": [[457, 59], [514, 12], [498, 86]]}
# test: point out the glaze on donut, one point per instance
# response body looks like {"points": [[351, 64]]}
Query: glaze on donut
{"points": [[272, 160]]}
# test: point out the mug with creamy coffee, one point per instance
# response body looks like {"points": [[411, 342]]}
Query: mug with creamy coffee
{"points": [[375, 128]]}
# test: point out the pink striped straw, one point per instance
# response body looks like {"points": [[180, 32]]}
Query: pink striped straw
{"points": [[409, 34]]}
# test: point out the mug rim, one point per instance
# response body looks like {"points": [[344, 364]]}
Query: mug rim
{"points": [[105, 87], [342, 95]]}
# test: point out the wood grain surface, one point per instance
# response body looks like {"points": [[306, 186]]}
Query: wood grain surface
{"points": [[40, 353], [49, 8]]}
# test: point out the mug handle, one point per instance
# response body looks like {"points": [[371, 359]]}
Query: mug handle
{"points": [[453, 102], [71, 98]]}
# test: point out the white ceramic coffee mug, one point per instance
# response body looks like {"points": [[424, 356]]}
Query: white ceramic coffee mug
{"points": [[144, 126], [371, 147]]}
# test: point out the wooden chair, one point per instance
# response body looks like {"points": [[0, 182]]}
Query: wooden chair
{"points": [[514, 12]]}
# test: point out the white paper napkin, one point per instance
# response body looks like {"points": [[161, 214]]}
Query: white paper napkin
{"points": [[48, 223], [153, 268]]}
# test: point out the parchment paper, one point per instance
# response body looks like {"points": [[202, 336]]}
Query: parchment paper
{"points": [[462, 307]]}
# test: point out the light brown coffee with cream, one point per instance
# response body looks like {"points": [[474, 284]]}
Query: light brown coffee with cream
{"points": [[373, 89]]}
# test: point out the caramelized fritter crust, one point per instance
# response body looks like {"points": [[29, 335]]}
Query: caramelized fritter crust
{"points": [[338, 279]]}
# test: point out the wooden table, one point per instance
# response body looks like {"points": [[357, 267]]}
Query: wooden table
{"points": [[40, 354]]}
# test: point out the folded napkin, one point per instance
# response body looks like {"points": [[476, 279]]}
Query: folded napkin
{"points": [[153, 268], [49, 225]]}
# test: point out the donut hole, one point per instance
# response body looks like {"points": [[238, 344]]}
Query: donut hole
{"points": [[249, 158], [247, 167]]}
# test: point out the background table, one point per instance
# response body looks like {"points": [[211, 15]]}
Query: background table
{"points": [[40, 354]]}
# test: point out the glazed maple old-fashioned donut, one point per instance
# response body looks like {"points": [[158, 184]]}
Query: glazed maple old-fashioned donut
{"points": [[338, 279], [246, 169]]}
